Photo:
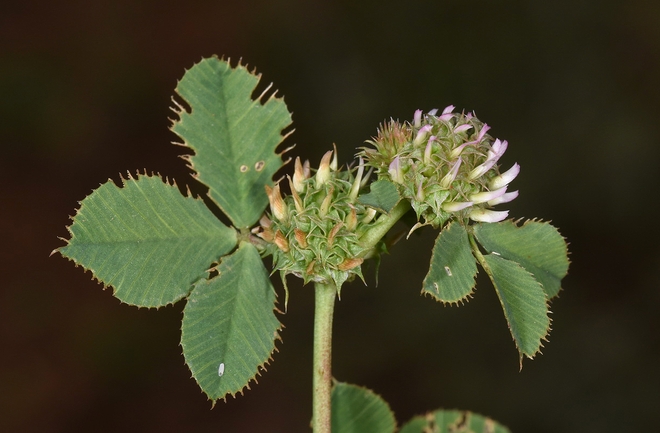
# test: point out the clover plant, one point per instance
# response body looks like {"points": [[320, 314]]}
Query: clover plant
{"points": [[155, 245]]}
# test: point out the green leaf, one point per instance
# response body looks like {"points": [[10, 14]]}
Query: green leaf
{"points": [[523, 301], [452, 421], [234, 137], [451, 276], [359, 410], [383, 196], [229, 325], [536, 246], [146, 240]]}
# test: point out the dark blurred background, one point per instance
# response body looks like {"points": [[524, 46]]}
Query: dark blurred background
{"points": [[85, 90]]}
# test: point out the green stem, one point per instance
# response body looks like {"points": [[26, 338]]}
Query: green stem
{"points": [[324, 305], [376, 232]]}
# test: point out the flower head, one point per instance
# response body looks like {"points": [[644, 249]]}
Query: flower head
{"points": [[446, 165]]}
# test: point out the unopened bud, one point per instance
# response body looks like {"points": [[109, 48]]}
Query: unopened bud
{"points": [[277, 205], [333, 233], [351, 219], [419, 195], [281, 242], [323, 173], [296, 198], [357, 183], [334, 164], [349, 264], [299, 176], [325, 205], [301, 237]]}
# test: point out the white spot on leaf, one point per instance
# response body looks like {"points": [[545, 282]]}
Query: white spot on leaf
{"points": [[244, 168], [448, 271], [221, 369]]}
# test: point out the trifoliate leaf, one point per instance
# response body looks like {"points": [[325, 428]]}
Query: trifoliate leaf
{"points": [[146, 240], [452, 421], [451, 276], [536, 246], [234, 136], [359, 410], [523, 301], [229, 326]]}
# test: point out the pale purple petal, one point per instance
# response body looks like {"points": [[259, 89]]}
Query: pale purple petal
{"points": [[447, 113], [451, 176], [395, 170], [483, 131], [488, 216], [479, 170], [504, 198], [485, 196], [457, 151], [417, 119], [433, 112], [456, 206], [421, 134], [463, 127], [505, 178], [429, 148]]}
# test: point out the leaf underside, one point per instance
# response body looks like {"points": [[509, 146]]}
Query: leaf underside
{"points": [[452, 421], [359, 410], [230, 320], [451, 276], [146, 240], [234, 137], [523, 301], [536, 246]]}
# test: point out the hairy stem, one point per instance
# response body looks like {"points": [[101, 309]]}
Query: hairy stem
{"points": [[324, 305]]}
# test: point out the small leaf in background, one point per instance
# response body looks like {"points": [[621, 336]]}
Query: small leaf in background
{"points": [[453, 269], [359, 410], [523, 301], [452, 421], [146, 240], [229, 326], [536, 246], [234, 137], [383, 196]]}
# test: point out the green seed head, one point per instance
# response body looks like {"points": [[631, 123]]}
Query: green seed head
{"points": [[313, 232]]}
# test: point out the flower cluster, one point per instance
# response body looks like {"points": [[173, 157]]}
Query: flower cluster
{"points": [[314, 232], [445, 165]]}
